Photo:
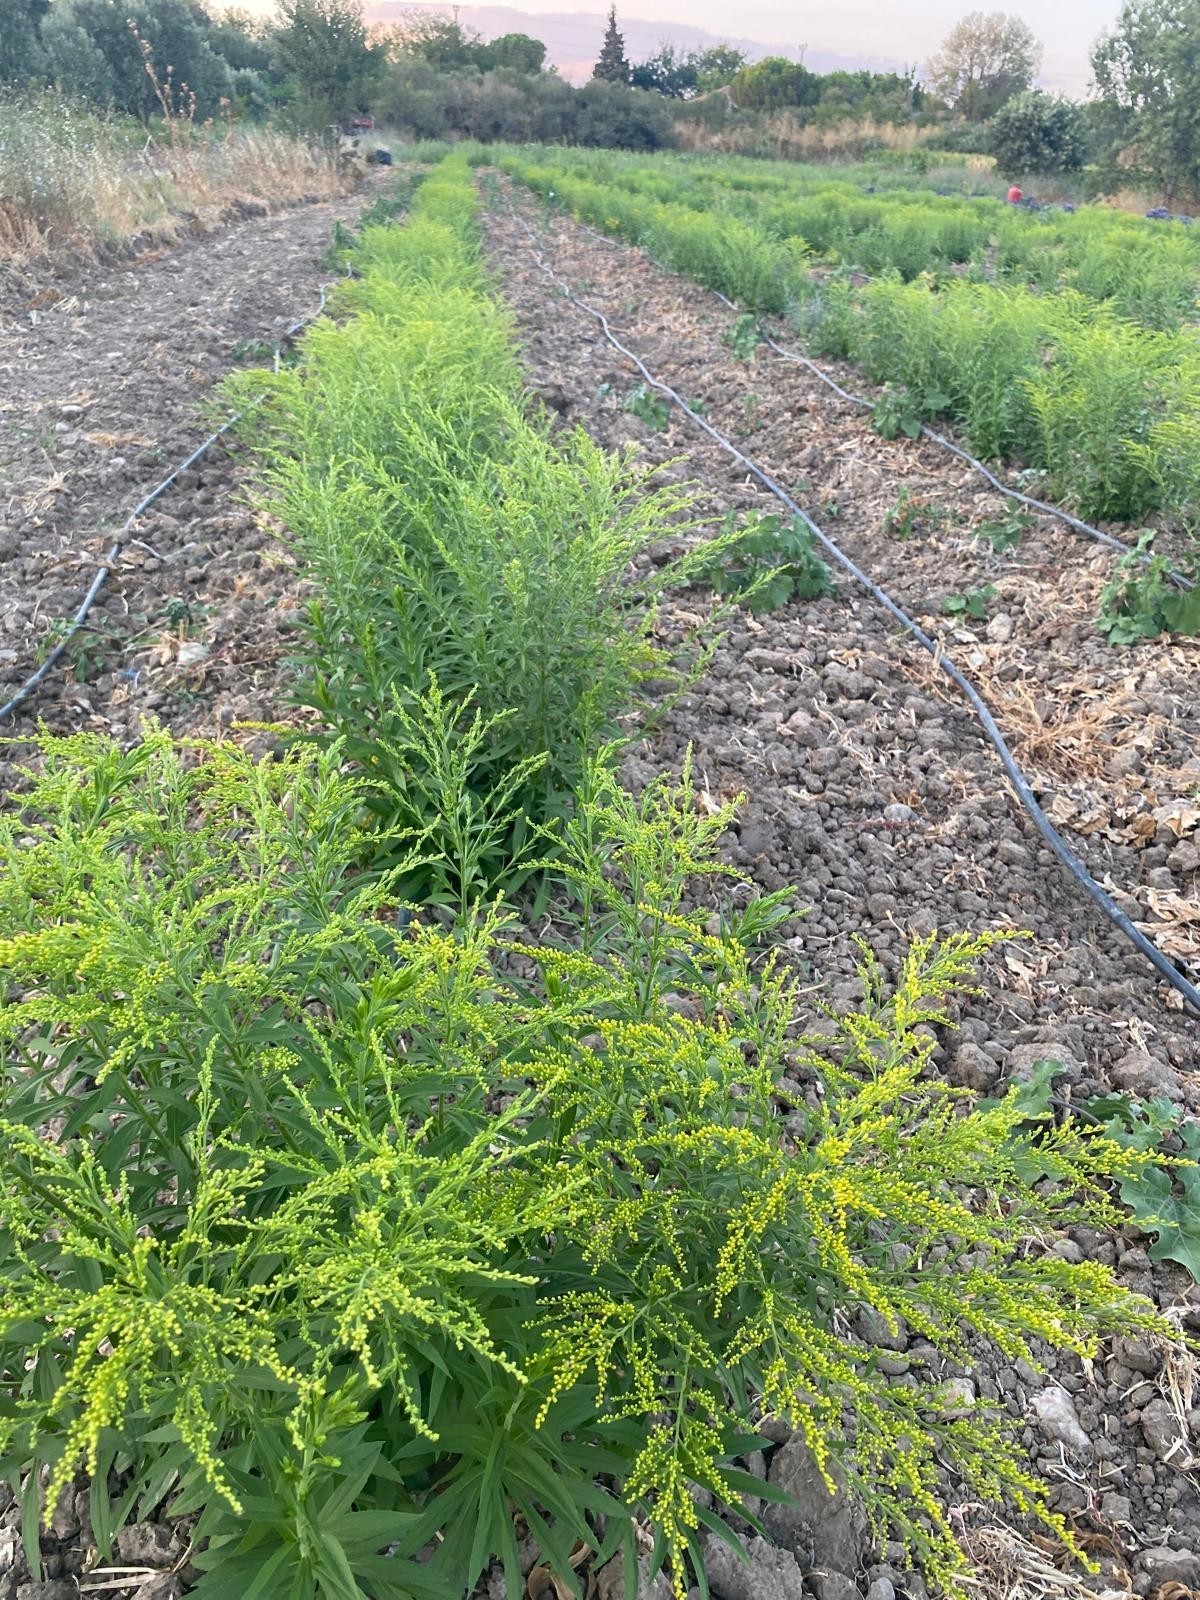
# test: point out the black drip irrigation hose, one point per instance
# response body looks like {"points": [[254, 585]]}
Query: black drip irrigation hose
{"points": [[36, 679], [1073, 522], [1162, 963], [1077, 524]]}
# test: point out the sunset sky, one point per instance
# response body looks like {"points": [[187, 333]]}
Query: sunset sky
{"points": [[868, 27], [871, 30]]}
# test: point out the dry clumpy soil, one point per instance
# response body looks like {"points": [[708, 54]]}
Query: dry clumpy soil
{"points": [[875, 794], [103, 390]]}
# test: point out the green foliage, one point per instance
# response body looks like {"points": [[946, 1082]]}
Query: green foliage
{"points": [[477, 627], [1140, 601], [644, 404], [896, 413], [22, 58], [1164, 1196], [775, 84], [971, 602], [1006, 532], [353, 1239], [1144, 69], [1037, 132], [911, 513], [744, 336], [324, 52], [612, 65], [98, 50], [767, 564], [984, 61]]}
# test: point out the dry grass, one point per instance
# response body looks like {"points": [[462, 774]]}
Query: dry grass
{"points": [[784, 136], [74, 185], [1008, 1566]]}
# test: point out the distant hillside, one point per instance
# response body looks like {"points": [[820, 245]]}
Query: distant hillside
{"points": [[572, 38]]}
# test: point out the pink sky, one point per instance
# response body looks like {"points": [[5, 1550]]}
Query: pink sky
{"points": [[905, 34], [867, 27]]}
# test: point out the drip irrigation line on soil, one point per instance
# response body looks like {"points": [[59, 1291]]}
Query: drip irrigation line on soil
{"points": [[1073, 522], [108, 561], [1077, 524], [1067, 858]]}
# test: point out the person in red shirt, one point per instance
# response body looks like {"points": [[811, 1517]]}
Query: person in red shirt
{"points": [[1015, 196]]}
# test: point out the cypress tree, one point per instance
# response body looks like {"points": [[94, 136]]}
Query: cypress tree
{"points": [[612, 65]]}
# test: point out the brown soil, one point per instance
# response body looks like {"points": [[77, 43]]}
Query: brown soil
{"points": [[104, 390]]}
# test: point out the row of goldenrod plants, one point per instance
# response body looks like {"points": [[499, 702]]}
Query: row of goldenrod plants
{"points": [[345, 1216], [1108, 410], [1145, 270]]}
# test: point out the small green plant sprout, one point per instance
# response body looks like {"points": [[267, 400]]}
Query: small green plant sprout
{"points": [[644, 404], [970, 603], [1162, 1193], [897, 412], [84, 654], [254, 350], [771, 562], [911, 513], [1004, 533], [744, 336], [1140, 601]]}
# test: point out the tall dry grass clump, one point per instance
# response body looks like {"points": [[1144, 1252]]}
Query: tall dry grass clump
{"points": [[786, 137], [76, 183]]}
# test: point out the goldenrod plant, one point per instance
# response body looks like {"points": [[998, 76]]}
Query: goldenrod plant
{"points": [[458, 546], [358, 1237], [1067, 382]]}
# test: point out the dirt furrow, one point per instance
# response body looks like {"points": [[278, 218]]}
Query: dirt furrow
{"points": [[102, 391]]}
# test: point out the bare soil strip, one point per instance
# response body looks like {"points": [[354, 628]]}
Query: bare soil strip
{"points": [[101, 392]]}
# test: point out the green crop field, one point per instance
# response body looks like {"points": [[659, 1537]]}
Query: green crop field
{"points": [[605, 1056]]}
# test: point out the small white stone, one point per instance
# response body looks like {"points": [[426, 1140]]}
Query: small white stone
{"points": [[1059, 1421]]}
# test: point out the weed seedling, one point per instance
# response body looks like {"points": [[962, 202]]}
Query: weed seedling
{"points": [[1139, 601], [771, 563], [970, 603], [1162, 1191], [1006, 532], [744, 336], [648, 408], [896, 412], [256, 351], [84, 654]]}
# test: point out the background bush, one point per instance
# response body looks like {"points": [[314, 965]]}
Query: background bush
{"points": [[1036, 132]]}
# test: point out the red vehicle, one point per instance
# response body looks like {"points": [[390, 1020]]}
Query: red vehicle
{"points": [[364, 122]]}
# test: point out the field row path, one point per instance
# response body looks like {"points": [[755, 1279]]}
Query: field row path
{"points": [[104, 388]]}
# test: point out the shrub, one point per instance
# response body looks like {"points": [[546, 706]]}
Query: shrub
{"points": [[1103, 391], [346, 1238], [1037, 132]]}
